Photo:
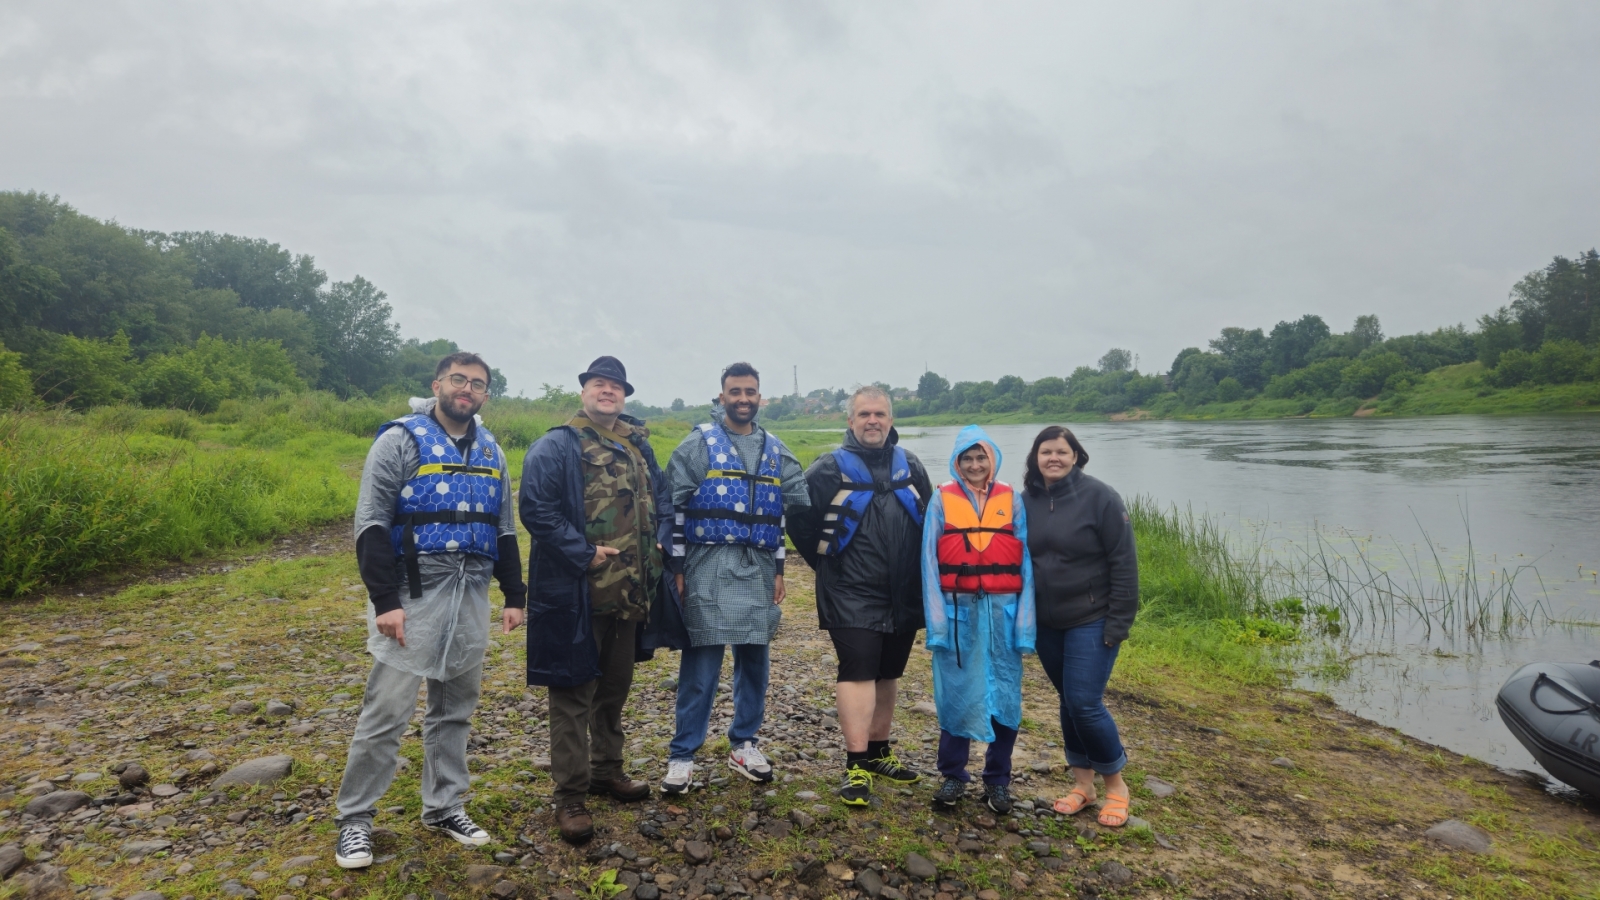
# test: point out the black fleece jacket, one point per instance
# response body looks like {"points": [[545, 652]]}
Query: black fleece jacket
{"points": [[1085, 566], [876, 583]]}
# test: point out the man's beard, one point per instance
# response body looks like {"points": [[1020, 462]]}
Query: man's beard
{"points": [[447, 409], [742, 415]]}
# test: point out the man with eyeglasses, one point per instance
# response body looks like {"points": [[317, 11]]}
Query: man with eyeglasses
{"points": [[433, 521]]}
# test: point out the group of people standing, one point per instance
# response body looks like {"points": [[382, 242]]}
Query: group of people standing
{"points": [[628, 558]]}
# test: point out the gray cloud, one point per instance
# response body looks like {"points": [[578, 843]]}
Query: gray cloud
{"points": [[990, 189]]}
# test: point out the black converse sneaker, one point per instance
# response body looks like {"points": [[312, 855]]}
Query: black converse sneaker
{"points": [[353, 850], [949, 793], [461, 828], [997, 797]]}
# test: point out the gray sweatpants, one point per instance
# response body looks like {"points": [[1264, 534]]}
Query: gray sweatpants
{"points": [[386, 710]]}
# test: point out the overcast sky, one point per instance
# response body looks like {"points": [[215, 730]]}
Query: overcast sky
{"points": [[859, 189]]}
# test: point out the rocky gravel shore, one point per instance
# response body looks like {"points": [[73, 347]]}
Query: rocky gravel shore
{"points": [[184, 737]]}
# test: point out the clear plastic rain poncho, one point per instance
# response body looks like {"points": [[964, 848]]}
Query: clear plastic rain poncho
{"points": [[983, 683], [447, 628]]}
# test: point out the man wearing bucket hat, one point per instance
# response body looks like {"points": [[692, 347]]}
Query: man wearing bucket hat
{"points": [[595, 503]]}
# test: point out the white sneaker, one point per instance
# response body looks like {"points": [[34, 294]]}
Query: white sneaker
{"points": [[680, 777], [750, 762]]}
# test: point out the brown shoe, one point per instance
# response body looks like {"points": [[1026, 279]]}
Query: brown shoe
{"points": [[576, 825], [623, 789]]}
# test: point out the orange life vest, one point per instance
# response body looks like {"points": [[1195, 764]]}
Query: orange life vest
{"points": [[979, 554]]}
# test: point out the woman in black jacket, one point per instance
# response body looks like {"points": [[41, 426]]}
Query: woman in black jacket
{"points": [[1086, 587]]}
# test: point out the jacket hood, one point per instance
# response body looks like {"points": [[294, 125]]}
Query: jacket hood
{"points": [[969, 436]]}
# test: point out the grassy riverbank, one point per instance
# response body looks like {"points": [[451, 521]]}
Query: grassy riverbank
{"points": [[1242, 788]]}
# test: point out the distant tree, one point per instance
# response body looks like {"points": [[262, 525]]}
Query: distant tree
{"points": [[1116, 360], [357, 337], [262, 274], [1290, 343], [1177, 361], [1497, 332], [677, 404], [16, 385], [558, 395], [932, 388], [1010, 386], [497, 383], [82, 372], [1560, 302], [1365, 333], [1049, 386]]}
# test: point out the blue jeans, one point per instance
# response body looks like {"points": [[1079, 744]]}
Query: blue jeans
{"points": [[954, 751], [697, 689], [1078, 662]]}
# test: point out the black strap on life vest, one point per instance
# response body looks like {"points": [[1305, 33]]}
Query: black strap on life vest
{"points": [[408, 538], [966, 570], [747, 518]]}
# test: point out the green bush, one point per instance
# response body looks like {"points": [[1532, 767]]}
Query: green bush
{"points": [[199, 378], [1561, 362], [1229, 389], [80, 372], [1366, 376], [78, 497], [1320, 379], [16, 385]]}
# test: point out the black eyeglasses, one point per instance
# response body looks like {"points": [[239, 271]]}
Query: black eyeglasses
{"points": [[459, 380]]}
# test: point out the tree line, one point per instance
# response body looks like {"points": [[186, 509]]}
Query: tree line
{"points": [[94, 313], [1548, 334]]}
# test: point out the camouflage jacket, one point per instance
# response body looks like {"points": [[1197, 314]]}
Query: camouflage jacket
{"points": [[619, 512]]}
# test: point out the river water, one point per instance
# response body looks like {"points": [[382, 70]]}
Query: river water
{"points": [[1526, 489]]}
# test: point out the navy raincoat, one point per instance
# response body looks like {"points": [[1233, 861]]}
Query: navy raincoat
{"points": [[561, 647]]}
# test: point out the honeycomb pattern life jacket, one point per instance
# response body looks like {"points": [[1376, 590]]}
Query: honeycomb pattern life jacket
{"points": [[452, 505], [843, 517], [733, 506], [979, 554]]}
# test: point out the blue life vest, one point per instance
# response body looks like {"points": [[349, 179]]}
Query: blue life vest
{"points": [[843, 517], [733, 506], [452, 505]]}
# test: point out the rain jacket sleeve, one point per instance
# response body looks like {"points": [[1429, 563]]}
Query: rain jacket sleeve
{"points": [[547, 472], [1027, 614], [932, 597]]}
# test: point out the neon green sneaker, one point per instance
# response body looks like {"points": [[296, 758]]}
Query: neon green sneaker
{"points": [[857, 789], [889, 766]]}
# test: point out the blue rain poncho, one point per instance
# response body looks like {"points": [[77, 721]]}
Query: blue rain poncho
{"points": [[995, 630]]}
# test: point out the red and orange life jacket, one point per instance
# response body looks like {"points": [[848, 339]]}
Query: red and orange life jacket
{"points": [[979, 554]]}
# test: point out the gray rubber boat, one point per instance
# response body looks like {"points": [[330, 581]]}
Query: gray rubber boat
{"points": [[1554, 710]]}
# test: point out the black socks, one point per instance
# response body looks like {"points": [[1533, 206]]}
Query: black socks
{"points": [[853, 759], [877, 749]]}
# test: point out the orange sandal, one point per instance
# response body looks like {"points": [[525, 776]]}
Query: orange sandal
{"points": [[1114, 812], [1067, 807]]}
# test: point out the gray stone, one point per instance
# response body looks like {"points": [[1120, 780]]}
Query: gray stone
{"points": [[801, 818], [298, 862], [235, 889], [144, 848], [505, 890], [1136, 822], [162, 681], [66, 639], [297, 881], [278, 708], [26, 648], [39, 789], [134, 776], [1115, 872], [44, 882], [697, 851], [11, 859], [85, 777], [1283, 762], [483, 876], [1039, 848], [57, 802], [261, 770], [1042, 766], [1162, 789], [647, 891], [1459, 835], [166, 790], [194, 756], [241, 708], [869, 882], [148, 895], [807, 796], [669, 684]]}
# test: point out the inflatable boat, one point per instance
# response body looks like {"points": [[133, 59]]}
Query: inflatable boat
{"points": [[1554, 710]]}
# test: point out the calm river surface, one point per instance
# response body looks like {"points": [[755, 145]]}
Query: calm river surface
{"points": [[1529, 487]]}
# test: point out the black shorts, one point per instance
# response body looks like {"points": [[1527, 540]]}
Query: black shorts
{"points": [[867, 655]]}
